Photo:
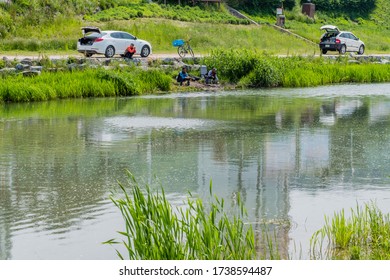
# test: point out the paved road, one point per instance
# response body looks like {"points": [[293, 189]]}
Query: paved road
{"points": [[64, 56], [170, 55]]}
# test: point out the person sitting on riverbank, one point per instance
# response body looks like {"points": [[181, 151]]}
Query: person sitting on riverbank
{"points": [[212, 76], [130, 51], [183, 76]]}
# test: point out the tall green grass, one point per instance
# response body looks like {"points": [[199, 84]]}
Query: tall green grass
{"points": [[364, 235], [82, 84], [155, 230], [254, 69]]}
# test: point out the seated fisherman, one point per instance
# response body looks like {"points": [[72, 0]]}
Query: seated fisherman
{"points": [[183, 76], [212, 76], [130, 51]]}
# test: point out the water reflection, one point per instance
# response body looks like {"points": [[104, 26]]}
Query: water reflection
{"points": [[294, 155]]}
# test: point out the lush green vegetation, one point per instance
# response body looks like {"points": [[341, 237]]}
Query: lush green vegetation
{"points": [[353, 8], [155, 230], [81, 84], [261, 6], [53, 25], [62, 33], [251, 69], [238, 68], [365, 235], [183, 13]]}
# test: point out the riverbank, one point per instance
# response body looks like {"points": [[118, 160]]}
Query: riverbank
{"points": [[47, 78], [44, 78]]}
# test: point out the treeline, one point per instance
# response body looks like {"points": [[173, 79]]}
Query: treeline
{"points": [[335, 7], [348, 7]]}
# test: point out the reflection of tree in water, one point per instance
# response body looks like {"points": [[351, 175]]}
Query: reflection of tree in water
{"points": [[219, 149], [5, 224]]}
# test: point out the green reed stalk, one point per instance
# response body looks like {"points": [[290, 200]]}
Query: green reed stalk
{"points": [[364, 235], [155, 230]]}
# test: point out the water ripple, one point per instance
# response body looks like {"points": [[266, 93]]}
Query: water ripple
{"points": [[146, 122]]}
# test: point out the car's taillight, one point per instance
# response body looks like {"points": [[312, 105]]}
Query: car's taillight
{"points": [[338, 41], [98, 39]]}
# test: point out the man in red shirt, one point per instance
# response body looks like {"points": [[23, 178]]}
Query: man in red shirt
{"points": [[130, 51]]}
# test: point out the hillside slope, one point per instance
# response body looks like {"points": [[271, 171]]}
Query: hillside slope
{"points": [[50, 25]]}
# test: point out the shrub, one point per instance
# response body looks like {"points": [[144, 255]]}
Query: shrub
{"points": [[264, 74], [355, 8]]}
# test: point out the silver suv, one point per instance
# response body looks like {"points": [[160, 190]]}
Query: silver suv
{"points": [[342, 41]]}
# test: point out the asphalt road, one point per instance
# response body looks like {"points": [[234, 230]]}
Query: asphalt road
{"points": [[162, 55], [64, 56]]}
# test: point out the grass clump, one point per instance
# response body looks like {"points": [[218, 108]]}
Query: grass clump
{"points": [[157, 231], [365, 235]]}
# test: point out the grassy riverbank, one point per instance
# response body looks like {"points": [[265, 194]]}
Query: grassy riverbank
{"points": [[250, 69], [83, 83], [236, 69]]}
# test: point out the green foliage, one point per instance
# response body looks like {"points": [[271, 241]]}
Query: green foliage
{"points": [[232, 64], [353, 8], [175, 12], [79, 84], [36, 45], [251, 69], [28, 26], [6, 24], [264, 74], [262, 6], [156, 231], [124, 84], [364, 235]]}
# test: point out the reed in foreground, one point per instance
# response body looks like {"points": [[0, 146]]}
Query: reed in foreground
{"points": [[157, 231], [365, 235]]}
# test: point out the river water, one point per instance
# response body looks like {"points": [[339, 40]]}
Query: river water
{"points": [[295, 155]]}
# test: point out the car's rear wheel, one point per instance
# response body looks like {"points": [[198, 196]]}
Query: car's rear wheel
{"points": [[110, 52], [343, 49], [324, 51], [361, 50], [145, 51]]}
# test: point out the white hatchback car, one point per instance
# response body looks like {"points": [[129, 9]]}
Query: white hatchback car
{"points": [[342, 41], [110, 43]]}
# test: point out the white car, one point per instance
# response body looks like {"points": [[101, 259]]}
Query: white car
{"points": [[110, 43], [342, 41]]}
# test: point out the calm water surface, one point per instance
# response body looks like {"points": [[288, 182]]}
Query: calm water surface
{"points": [[295, 155]]}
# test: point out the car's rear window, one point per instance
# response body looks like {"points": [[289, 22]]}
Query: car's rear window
{"points": [[329, 35], [95, 35]]}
